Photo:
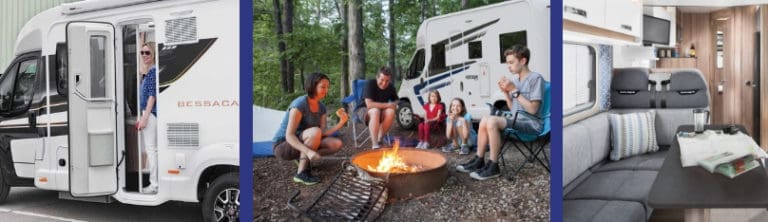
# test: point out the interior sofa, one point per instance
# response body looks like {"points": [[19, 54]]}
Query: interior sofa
{"points": [[598, 189]]}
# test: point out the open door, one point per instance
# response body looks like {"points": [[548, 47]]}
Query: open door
{"points": [[92, 114]]}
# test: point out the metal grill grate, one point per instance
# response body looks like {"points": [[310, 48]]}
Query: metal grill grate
{"points": [[182, 30], [183, 134], [352, 196]]}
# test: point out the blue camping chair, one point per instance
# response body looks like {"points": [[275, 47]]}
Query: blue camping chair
{"points": [[526, 143], [355, 105]]}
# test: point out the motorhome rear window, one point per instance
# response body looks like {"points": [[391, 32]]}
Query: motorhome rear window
{"points": [[579, 75], [507, 40]]}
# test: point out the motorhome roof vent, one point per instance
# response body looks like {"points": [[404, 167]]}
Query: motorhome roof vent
{"points": [[183, 134], [93, 5], [181, 31]]}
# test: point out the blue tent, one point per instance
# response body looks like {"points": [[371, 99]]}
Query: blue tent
{"points": [[265, 123]]}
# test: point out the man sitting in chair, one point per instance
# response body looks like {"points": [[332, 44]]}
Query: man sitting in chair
{"points": [[381, 100], [522, 93]]}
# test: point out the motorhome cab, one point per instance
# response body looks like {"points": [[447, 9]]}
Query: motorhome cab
{"points": [[642, 79], [461, 55], [69, 104]]}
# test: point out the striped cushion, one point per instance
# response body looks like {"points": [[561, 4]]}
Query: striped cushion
{"points": [[632, 134]]}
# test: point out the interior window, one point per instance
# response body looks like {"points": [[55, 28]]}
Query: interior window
{"points": [[579, 75], [417, 65], [507, 40], [25, 83]]}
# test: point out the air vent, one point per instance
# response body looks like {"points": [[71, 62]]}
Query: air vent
{"points": [[183, 134], [181, 30]]}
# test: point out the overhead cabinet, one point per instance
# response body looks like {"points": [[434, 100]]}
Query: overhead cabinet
{"points": [[621, 16]]}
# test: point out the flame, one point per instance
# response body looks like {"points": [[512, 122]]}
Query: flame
{"points": [[391, 162]]}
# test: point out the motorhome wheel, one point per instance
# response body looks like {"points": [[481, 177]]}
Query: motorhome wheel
{"points": [[405, 116], [222, 200]]}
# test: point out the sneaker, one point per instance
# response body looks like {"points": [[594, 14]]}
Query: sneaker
{"points": [[472, 165], [449, 148], [489, 172], [306, 178], [421, 143], [376, 146], [464, 149], [425, 146]]}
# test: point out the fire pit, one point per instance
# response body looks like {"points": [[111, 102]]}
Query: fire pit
{"points": [[412, 172]]}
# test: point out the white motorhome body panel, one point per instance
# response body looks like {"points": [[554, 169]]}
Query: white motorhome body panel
{"points": [[473, 79], [23, 155], [51, 172]]}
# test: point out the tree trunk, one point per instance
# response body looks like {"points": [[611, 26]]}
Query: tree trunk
{"points": [[356, 47], [464, 4], [288, 29], [344, 50], [281, 47], [423, 10], [391, 27]]}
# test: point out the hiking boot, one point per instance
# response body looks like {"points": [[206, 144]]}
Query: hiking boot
{"points": [[306, 178], [491, 171], [449, 148], [472, 165], [464, 149]]}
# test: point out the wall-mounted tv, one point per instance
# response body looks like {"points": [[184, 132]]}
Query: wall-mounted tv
{"points": [[655, 30]]}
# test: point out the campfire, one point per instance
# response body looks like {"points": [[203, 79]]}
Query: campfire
{"points": [[392, 163], [409, 172]]}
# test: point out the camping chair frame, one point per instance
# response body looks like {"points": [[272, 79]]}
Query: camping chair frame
{"points": [[527, 142], [356, 104]]}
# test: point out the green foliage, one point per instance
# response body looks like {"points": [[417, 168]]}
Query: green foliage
{"points": [[314, 44]]}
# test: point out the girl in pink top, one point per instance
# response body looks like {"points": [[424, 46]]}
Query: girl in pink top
{"points": [[434, 110]]}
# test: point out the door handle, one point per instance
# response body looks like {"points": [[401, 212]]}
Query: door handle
{"points": [[751, 83]]}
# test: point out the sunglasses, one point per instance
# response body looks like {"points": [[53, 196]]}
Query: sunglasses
{"points": [[145, 52]]}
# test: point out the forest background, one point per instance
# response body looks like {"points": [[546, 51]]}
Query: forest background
{"points": [[345, 39]]}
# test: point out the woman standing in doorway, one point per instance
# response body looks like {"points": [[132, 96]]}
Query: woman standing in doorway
{"points": [[147, 124]]}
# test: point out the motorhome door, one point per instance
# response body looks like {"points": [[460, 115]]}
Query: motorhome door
{"points": [[92, 117]]}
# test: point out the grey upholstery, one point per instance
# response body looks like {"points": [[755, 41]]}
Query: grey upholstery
{"points": [[603, 210], [597, 189], [630, 88], [687, 89]]}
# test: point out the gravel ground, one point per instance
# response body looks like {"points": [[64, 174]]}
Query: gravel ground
{"points": [[462, 198]]}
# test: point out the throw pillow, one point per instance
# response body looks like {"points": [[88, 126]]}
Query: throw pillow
{"points": [[632, 134]]}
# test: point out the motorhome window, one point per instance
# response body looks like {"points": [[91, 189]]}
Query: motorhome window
{"points": [[437, 62], [6, 88], [475, 50], [61, 69], [98, 66], [130, 68], [507, 40], [25, 82], [417, 65], [579, 75]]}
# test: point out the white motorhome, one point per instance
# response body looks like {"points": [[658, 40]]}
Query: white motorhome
{"points": [[461, 55], [69, 103]]}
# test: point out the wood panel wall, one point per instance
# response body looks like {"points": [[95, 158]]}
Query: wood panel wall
{"points": [[764, 77], [734, 104]]}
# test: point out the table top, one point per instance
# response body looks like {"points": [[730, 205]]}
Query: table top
{"points": [[695, 187]]}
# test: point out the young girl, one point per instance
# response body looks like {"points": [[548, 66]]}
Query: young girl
{"points": [[434, 110], [459, 128]]}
